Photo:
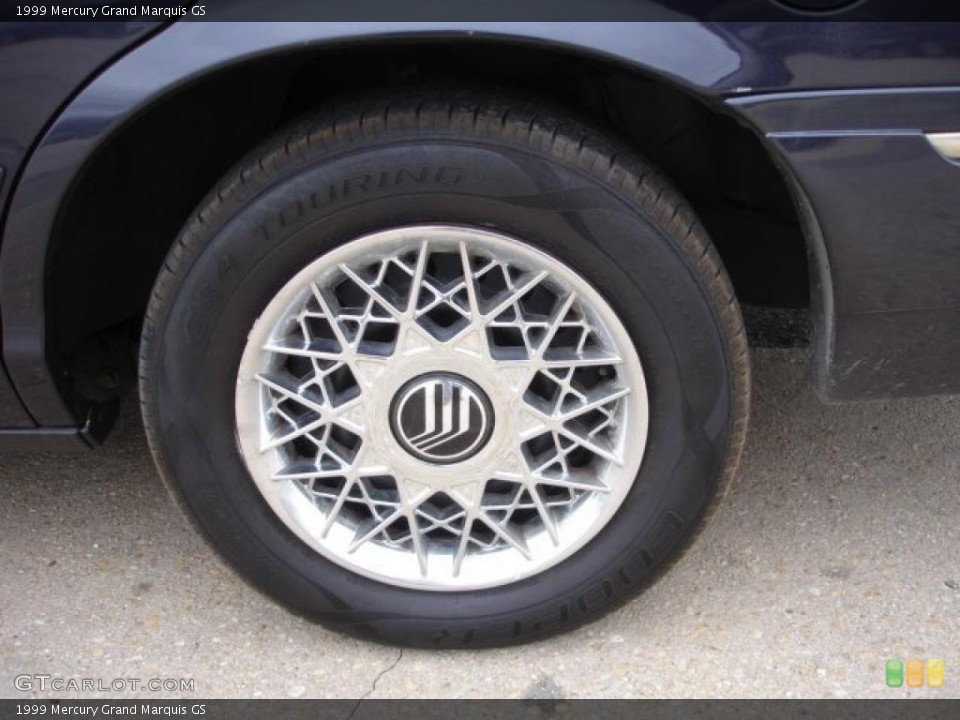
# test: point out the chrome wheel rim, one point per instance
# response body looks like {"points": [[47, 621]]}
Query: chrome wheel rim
{"points": [[440, 407]]}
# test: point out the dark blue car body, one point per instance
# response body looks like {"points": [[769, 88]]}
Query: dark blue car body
{"points": [[857, 116]]}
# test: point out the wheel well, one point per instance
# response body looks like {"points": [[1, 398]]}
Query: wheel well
{"points": [[131, 199]]}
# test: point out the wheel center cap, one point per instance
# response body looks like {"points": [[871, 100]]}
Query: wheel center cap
{"points": [[441, 418]]}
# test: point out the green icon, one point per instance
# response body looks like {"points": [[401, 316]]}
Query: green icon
{"points": [[894, 673]]}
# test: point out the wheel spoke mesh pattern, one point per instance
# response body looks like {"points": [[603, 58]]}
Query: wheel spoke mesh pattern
{"points": [[516, 316]]}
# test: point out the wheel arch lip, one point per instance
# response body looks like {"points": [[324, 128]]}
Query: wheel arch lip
{"points": [[186, 52], [716, 64]]}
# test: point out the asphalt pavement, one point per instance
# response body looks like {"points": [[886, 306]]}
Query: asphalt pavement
{"points": [[838, 549]]}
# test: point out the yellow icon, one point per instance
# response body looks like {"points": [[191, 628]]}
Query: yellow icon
{"points": [[935, 673], [914, 673]]}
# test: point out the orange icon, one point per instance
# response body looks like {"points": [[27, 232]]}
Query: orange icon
{"points": [[914, 673]]}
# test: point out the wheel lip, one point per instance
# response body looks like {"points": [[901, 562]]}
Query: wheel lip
{"points": [[298, 512]]}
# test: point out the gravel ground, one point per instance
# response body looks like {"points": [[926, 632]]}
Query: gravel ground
{"points": [[837, 549]]}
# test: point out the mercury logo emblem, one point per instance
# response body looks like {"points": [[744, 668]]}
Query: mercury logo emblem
{"points": [[441, 418]]}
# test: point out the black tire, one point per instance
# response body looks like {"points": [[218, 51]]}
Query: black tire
{"points": [[598, 207]]}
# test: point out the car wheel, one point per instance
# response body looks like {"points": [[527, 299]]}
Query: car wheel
{"points": [[445, 370]]}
